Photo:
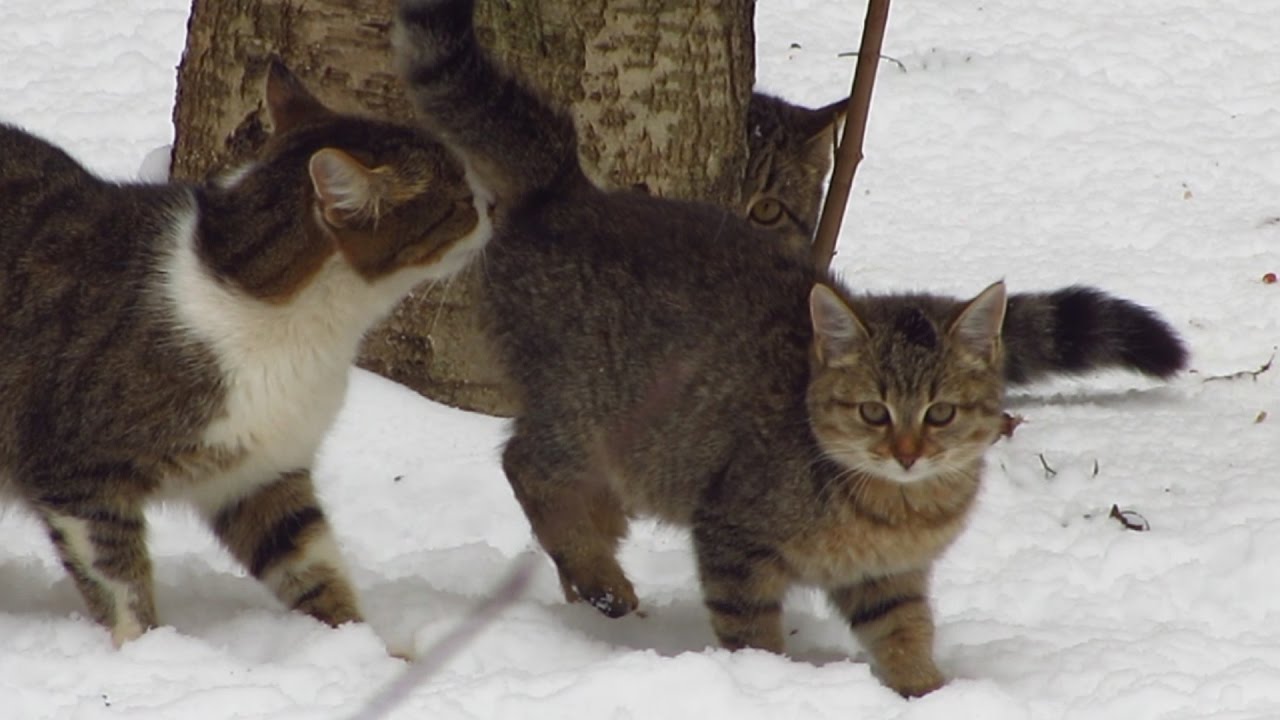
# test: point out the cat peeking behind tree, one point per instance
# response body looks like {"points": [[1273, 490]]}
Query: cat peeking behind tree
{"points": [[674, 363], [193, 342], [789, 153]]}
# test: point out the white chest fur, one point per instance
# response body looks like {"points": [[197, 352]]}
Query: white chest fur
{"points": [[285, 365]]}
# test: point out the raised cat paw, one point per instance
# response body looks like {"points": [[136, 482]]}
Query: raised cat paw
{"points": [[611, 599], [916, 685]]}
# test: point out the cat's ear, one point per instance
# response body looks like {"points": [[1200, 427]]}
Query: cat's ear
{"points": [[289, 103], [978, 325], [820, 127], [836, 329], [816, 121], [348, 192]]}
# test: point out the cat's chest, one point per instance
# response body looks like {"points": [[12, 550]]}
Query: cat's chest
{"points": [[283, 365], [845, 546], [278, 402]]}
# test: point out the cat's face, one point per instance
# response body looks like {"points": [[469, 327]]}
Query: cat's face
{"points": [[391, 208], [789, 151], [906, 390], [387, 196]]}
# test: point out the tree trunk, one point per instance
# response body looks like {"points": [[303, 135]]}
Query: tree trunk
{"points": [[658, 89]]}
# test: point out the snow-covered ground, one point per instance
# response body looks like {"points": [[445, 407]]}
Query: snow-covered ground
{"points": [[1131, 144]]}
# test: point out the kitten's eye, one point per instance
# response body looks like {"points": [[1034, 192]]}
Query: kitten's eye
{"points": [[767, 211], [874, 413], [940, 414]]}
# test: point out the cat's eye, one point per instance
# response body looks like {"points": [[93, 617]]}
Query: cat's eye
{"points": [[940, 413], [874, 413], [767, 211]]}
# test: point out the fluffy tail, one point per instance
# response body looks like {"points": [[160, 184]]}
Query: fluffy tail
{"points": [[514, 142], [1079, 329]]}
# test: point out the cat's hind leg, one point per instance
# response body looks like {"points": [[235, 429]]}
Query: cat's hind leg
{"points": [[280, 534], [100, 536], [891, 618], [576, 517]]}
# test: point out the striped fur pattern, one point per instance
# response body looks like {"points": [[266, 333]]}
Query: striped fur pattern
{"points": [[789, 153], [193, 342], [675, 363]]}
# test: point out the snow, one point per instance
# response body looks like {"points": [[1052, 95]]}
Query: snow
{"points": [[1133, 145]]}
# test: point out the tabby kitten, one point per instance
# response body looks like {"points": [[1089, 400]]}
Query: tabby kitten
{"points": [[789, 153], [193, 342], [674, 364]]}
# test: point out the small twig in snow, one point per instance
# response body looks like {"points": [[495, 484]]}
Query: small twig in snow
{"points": [[1253, 374], [1130, 519], [1048, 471]]}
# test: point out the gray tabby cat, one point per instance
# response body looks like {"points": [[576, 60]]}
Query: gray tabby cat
{"points": [[674, 364], [789, 153], [193, 342]]}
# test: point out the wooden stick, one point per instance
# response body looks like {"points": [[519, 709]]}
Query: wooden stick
{"points": [[855, 129]]}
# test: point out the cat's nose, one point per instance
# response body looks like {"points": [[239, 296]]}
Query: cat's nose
{"points": [[906, 450]]}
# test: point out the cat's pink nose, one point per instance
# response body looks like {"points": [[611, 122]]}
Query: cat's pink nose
{"points": [[906, 450]]}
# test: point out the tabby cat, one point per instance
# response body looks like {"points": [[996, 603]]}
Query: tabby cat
{"points": [[672, 364], [789, 153], [193, 342]]}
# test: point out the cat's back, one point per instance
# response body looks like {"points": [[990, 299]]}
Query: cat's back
{"points": [[650, 275], [677, 320], [37, 180], [24, 155], [51, 202], [673, 253], [84, 333]]}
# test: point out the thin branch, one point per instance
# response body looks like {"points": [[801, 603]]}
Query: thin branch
{"points": [[855, 130], [854, 53], [480, 617]]}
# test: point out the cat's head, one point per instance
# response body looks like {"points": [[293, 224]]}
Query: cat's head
{"points": [[387, 196], [906, 388], [789, 152]]}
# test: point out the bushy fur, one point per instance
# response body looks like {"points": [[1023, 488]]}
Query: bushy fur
{"points": [[676, 363]]}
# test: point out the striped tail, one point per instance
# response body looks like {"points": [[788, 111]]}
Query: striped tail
{"points": [[1079, 329], [513, 141]]}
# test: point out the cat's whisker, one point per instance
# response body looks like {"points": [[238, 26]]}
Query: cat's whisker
{"points": [[444, 298]]}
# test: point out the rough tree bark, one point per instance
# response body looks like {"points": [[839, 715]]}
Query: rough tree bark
{"points": [[658, 89]]}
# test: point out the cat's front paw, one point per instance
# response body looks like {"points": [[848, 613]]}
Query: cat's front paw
{"points": [[613, 598], [916, 684], [126, 630]]}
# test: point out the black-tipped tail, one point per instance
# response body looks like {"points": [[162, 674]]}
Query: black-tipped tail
{"points": [[1079, 329]]}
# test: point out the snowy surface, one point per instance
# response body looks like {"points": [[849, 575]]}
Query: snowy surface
{"points": [[1132, 144]]}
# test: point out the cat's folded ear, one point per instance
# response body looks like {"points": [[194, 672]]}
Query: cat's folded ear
{"points": [[837, 331], [978, 325], [349, 193], [289, 103]]}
